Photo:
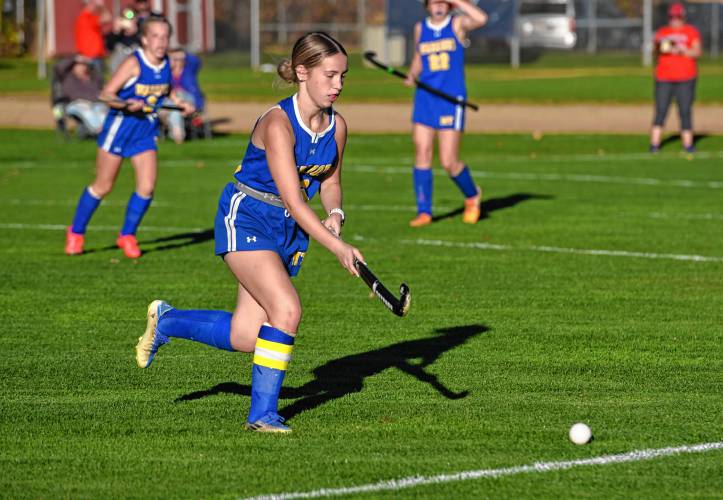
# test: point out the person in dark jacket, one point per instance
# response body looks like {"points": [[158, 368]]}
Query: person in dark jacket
{"points": [[184, 82]]}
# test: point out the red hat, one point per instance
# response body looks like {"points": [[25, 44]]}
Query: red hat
{"points": [[676, 9]]}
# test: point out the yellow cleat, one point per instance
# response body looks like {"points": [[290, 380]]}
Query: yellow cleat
{"points": [[472, 209], [271, 422], [151, 340]]}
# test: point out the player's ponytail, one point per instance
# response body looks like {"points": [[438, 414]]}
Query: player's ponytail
{"points": [[286, 72], [309, 51]]}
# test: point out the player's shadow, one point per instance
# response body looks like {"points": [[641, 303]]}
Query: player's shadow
{"points": [[346, 375], [177, 241], [697, 138], [493, 204], [170, 242]]}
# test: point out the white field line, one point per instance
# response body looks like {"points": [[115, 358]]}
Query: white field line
{"points": [[572, 158], [69, 203], [22, 202], [531, 176], [62, 227], [421, 242], [521, 176], [402, 160], [704, 216], [537, 467], [549, 249], [347, 206]]}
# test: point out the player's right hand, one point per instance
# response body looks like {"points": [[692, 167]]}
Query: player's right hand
{"points": [[134, 105], [409, 81], [347, 254]]}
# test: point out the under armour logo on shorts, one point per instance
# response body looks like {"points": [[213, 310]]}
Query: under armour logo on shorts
{"points": [[250, 239]]}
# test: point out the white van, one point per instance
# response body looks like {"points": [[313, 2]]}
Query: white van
{"points": [[546, 24]]}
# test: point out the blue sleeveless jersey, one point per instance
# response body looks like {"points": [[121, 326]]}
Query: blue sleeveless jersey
{"points": [[244, 223], [442, 57], [315, 153], [128, 134]]}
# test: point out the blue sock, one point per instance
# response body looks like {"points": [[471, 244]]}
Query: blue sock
{"points": [[137, 207], [271, 359], [84, 211], [423, 190], [465, 183], [208, 327]]}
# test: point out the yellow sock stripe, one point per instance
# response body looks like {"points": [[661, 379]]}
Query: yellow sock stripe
{"points": [[270, 363], [274, 346]]}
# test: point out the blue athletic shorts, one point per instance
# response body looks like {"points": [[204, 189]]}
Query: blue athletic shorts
{"points": [[128, 135], [245, 224], [437, 113]]}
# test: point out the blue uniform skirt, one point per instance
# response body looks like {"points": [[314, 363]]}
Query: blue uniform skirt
{"points": [[244, 224], [128, 135], [436, 112]]}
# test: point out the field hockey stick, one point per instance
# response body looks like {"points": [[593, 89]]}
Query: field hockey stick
{"points": [[169, 107], [371, 57], [399, 306]]}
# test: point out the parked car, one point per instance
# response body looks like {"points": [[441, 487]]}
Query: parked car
{"points": [[547, 24]]}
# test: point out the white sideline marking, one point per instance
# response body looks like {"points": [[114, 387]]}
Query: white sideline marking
{"points": [[410, 482], [531, 176], [70, 203], [351, 166], [572, 158], [62, 227], [579, 251], [660, 215], [422, 242]]}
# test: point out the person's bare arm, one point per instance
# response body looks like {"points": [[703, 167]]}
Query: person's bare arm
{"points": [[416, 67], [277, 137], [127, 70], [472, 18], [330, 191], [695, 50]]}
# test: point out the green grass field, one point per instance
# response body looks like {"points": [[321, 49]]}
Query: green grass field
{"points": [[556, 77], [592, 290]]}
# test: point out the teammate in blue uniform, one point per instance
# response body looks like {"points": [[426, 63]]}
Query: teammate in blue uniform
{"points": [[439, 62], [133, 93], [263, 226]]}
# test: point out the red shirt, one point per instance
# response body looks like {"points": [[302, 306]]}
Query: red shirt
{"points": [[89, 36], [676, 67]]}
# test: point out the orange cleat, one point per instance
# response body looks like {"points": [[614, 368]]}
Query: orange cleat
{"points": [[472, 209], [420, 220], [73, 242], [129, 245]]}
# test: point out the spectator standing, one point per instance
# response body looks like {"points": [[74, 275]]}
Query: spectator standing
{"points": [[80, 86], [677, 47], [124, 38], [89, 32]]}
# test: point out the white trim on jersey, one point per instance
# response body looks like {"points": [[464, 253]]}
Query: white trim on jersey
{"points": [[458, 117], [152, 66], [112, 131], [314, 136], [440, 26], [229, 221], [130, 82]]}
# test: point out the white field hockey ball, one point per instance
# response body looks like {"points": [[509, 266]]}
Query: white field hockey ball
{"points": [[580, 433]]}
